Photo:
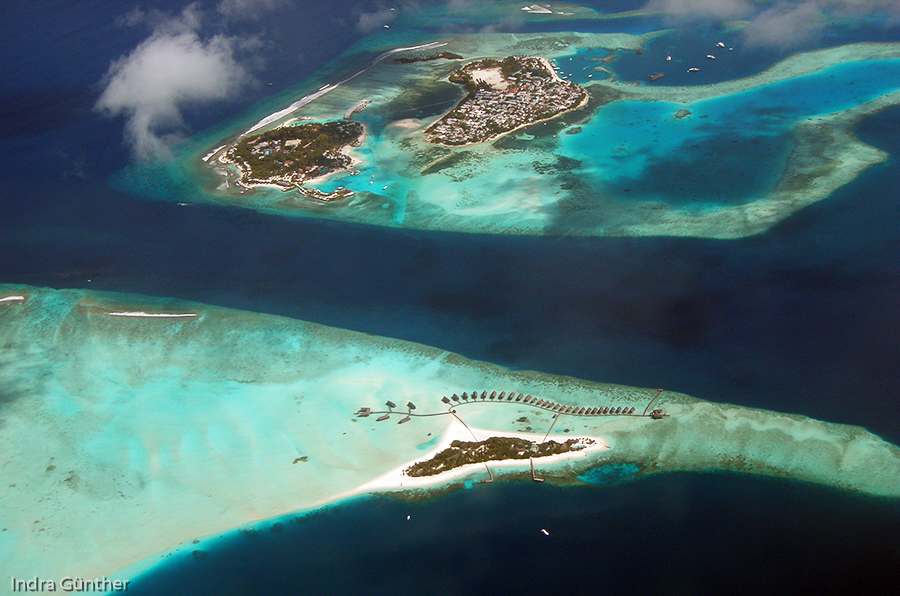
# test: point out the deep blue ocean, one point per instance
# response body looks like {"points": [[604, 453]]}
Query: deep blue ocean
{"points": [[804, 318]]}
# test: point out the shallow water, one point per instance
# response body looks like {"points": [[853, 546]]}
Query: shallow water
{"points": [[802, 319]]}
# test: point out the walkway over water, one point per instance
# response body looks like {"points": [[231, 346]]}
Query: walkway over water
{"points": [[503, 397]]}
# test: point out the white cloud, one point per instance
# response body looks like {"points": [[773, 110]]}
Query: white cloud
{"points": [[171, 69], [370, 21], [785, 25]]}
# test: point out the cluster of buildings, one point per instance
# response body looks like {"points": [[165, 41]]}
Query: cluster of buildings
{"points": [[491, 110]]}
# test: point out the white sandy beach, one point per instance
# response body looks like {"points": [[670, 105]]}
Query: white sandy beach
{"points": [[397, 479], [210, 423]]}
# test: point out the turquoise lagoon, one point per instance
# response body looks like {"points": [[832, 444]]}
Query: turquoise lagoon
{"points": [[120, 407], [639, 160]]}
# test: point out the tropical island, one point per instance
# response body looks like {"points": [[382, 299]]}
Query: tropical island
{"points": [[413, 58], [461, 453], [288, 156], [504, 95]]}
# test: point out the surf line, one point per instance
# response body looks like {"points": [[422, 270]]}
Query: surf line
{"points": [[307, 99], [151, 315]]}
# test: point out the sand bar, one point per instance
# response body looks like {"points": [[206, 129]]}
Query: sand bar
{"points": [[232, 418]]}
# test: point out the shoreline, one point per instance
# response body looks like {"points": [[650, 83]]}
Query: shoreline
{"points": [[396, 479], [554, 76], [264, 403]]}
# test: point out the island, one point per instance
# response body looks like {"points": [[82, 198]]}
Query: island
{"points": [[118, 405], [504, 95], [288, 156], [413, 58], [461, 453]]}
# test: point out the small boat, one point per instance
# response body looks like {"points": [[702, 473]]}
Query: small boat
{"points": [[545, 532], [693, 69], [720, 45], [710, 56], [668, 58], [657, 75]]}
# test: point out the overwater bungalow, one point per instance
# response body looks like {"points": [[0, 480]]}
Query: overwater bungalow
{"points": [[465, 396], [411, 405], [581, 411], [445, 399], [382, 417], [528, 398], [502, 394], [404, 419], [363, 412], [390, 404], [483, 395], [619, 410], [631, 410], [606, 410], [510, 396], [493, 394], [454, 397]]}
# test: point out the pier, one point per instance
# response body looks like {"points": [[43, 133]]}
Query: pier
{"points": [[357, 107], [456, 400]]}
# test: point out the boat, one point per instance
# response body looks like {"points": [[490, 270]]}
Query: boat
{"points": [[720, 45], [693, 69], [657, 75], [710, 56]]}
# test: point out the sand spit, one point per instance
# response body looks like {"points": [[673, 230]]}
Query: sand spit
{"points": [[230, 418]]}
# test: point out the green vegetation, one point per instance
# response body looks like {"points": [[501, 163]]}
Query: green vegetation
{"points": [[527, 92], [291, 154], [410, 59], [461, 453]]}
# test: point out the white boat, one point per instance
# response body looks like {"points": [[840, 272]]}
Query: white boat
{"points": [[694, 69], [710, 56], [720, 45]]}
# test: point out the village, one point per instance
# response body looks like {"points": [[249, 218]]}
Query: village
{"points": [[504, 95]]}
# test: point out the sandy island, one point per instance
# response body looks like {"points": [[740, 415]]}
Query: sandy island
{"points": [[228, 419], [397, 478]]}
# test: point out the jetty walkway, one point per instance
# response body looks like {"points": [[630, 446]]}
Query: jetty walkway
{"points": [[512, 397]]}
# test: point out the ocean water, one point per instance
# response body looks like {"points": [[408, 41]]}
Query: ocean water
{"points": [[803, 318]]}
